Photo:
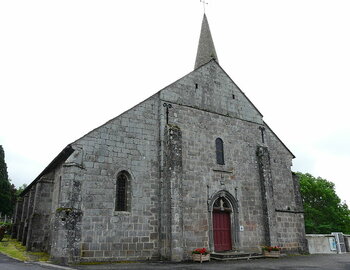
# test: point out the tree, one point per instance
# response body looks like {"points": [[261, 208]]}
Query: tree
{"points": [[20, 189], [6, 189], [324, 211]]}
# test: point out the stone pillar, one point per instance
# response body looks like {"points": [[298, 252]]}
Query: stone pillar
{"points": [[171, 218], [297, 195], [268, 204], [299, 208], [29, 212], [17, 218], [39, 222], [20, 232], [32, 196], [66, 223]]}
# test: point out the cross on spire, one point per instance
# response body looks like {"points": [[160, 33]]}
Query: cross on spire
{"points": [[204, 3]]}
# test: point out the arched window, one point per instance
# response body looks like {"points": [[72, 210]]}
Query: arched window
{"points": [[121, 200], [219, 144], [222, 204]]}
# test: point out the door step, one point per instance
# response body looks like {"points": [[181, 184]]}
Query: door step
{"points": [[234, 255]]}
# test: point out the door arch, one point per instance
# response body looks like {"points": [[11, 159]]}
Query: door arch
{"points": [[223, 209]]}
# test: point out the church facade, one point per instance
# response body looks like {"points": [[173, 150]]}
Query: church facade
{"points": [[192, 166]]}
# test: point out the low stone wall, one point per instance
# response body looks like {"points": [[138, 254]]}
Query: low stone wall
{"points": [[321, 243], [325, 243]]}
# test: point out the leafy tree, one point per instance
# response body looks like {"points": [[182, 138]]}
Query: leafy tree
{"points": [[6, 189], [20, 189], [324, 211]]}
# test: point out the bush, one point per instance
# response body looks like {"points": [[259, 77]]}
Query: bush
{"points": [[5, 228], [2, 232]]}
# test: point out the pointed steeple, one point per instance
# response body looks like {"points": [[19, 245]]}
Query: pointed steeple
{"points": [[206, 49]]}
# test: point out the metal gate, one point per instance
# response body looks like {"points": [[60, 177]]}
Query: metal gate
{"points": [[339, 239]]}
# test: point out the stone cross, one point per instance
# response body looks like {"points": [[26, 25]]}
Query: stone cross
{"points": [[204, 3], [167, 106], [262, 129]]}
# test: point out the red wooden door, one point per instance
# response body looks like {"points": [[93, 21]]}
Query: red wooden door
{"points": [[222, 231]]}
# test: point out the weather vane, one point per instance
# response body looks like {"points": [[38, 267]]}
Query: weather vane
{"points": [[204, 3]]}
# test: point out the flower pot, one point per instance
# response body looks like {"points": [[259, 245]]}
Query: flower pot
{"points": [[272, 253], [200, 257]]}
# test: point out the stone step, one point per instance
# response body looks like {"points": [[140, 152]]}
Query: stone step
{"points": [[228, 256]]}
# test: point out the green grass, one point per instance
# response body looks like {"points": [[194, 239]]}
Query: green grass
{"points": [[40, 256], [15, 249], [107, 262]]}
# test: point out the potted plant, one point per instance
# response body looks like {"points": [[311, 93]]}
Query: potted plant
{"points": [[273, 252], [200, 255]]}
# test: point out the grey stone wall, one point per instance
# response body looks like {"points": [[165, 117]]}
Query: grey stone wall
{"points": [[17, 218], [217, 108], [172, 199], [38, 238], [204, 114], [21, 229], [268, 196], [287, 198], [28, 215], [203, 178], [20, 222], [173, 180], [215, 93], [320, 243], [66, 219], [127, 143], [291, 232]]}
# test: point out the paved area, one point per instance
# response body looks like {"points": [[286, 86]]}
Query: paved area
{"points": [[323, 262], [7, 263]]}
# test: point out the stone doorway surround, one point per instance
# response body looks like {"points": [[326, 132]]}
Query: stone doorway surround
{"points": [[227, 203]]}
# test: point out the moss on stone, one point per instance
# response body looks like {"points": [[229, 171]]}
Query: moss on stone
{"points": [[16, 250]]}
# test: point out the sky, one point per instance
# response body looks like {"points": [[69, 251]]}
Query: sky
{"points": [[67, 67]]}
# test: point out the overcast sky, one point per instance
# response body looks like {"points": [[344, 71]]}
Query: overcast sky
{"points": [[67, 67]]}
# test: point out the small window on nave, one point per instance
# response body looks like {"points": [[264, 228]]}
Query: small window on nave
{"points": [[121, 200], [219, 145]]}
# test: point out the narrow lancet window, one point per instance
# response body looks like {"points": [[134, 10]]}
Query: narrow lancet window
{"points": [[121, 193], [219, 144], [262, 130]]}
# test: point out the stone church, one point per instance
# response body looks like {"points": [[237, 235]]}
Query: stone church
{"points": [[192, 166]]}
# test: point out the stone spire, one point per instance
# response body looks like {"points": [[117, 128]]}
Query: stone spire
{"points": [[206, 49]]}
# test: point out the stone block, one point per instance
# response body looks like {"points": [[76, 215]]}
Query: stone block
{"points": [[148, 246], [87, 253], [85, 246], [116, 246]]}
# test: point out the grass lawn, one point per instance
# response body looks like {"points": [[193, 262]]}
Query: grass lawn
{"points": [[15, 249]]}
